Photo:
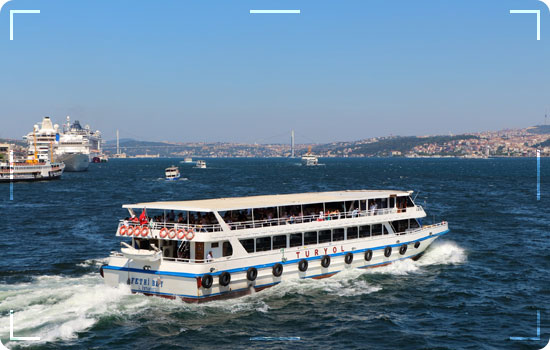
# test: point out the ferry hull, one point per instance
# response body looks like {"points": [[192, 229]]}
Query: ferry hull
{"points": [[167, 278], [29, 179]]}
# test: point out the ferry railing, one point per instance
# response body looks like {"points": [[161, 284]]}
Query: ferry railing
{"points": [[315, 218], [158, 226]]}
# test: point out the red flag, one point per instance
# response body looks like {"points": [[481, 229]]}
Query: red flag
{"points": [[143, 217]]}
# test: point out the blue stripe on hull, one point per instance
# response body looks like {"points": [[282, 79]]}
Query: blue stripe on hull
{"points": [[242, 269]]}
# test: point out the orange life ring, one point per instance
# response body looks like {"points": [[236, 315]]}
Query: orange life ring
{"points": [[172, 233], [137, 231], [181, 234], [145, 231], [130, 231], [123, 230], [190, 234], [163, 232]]}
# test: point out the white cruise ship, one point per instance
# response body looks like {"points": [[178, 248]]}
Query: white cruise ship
{"points": [[201, 250], [74, 145], [77, 146], [42, 142]]}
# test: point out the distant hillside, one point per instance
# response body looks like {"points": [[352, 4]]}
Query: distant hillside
{"points": [[539, 129], [21, 143], [384, 146]]}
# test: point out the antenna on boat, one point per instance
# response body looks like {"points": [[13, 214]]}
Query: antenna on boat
{"points": [[416, 195]]}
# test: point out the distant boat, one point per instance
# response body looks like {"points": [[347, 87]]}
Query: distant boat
{"points": [[201, 164], [31, 171], [188, 160], [309, 159], [172, 173]]}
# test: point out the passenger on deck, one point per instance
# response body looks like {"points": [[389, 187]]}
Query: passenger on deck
{"points": [[180, 218], [321, 216], [171, 216], [209, 256], [354, 213], [373, 208], [134, 218]]}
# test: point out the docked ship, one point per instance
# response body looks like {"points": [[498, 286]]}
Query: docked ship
{"points": [[73, 145], [40, 164], [309, 159], [201, 250], [78, 146]]}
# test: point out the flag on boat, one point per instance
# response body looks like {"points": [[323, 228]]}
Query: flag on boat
{"points": [[143, 217]]}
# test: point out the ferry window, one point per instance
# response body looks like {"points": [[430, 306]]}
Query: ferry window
{"points": [[295, 239], [376, 230], [392, 202], [279, 242], [324, 236], [248, 245], [384, 203], [413, 223], [363, 204], [310, 237], [385, 229], [227, 249], [214, 245], [263, 244], [400, 225], [364, 231], [338, 234], [352, 232], [409, 202]]}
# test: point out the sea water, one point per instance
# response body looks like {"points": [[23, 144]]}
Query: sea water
{"points": [[473, 289]]}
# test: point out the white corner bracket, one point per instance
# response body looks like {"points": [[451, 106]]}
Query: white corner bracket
{"points": [[537, 12], [12, 12]]}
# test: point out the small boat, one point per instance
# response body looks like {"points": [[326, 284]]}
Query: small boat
{"points": [[188, 160], [201, 164], [134, 254], [172, 173], [310, 159]]}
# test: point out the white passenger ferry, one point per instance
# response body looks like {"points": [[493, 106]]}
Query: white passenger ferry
{"points": [[214, 248], [309, 159], [172, 173]]}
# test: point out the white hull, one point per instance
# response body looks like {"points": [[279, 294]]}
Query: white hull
{"points": [[74, 161], [172, 279]]}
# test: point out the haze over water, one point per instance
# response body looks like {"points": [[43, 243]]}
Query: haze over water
{"points": [[473, 289]]}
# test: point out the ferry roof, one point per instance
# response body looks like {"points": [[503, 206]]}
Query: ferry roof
{"points": [[278, 200]]}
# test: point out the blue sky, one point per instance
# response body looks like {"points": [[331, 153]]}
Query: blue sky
{"points": [[210, 71]]}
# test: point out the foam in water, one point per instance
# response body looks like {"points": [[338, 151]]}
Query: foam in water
{"points": [[438, 253], [57, 307]]}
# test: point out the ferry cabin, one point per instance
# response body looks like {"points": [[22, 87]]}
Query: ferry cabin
{"points": [[205, 249]]}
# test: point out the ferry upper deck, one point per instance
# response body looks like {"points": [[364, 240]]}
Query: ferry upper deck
{"points": [[261, 212]]}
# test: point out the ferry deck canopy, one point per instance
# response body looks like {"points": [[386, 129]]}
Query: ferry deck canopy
{"points": [[278, 200]]}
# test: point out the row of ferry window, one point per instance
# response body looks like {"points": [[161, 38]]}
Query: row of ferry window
{"points": [[263, 244]]}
